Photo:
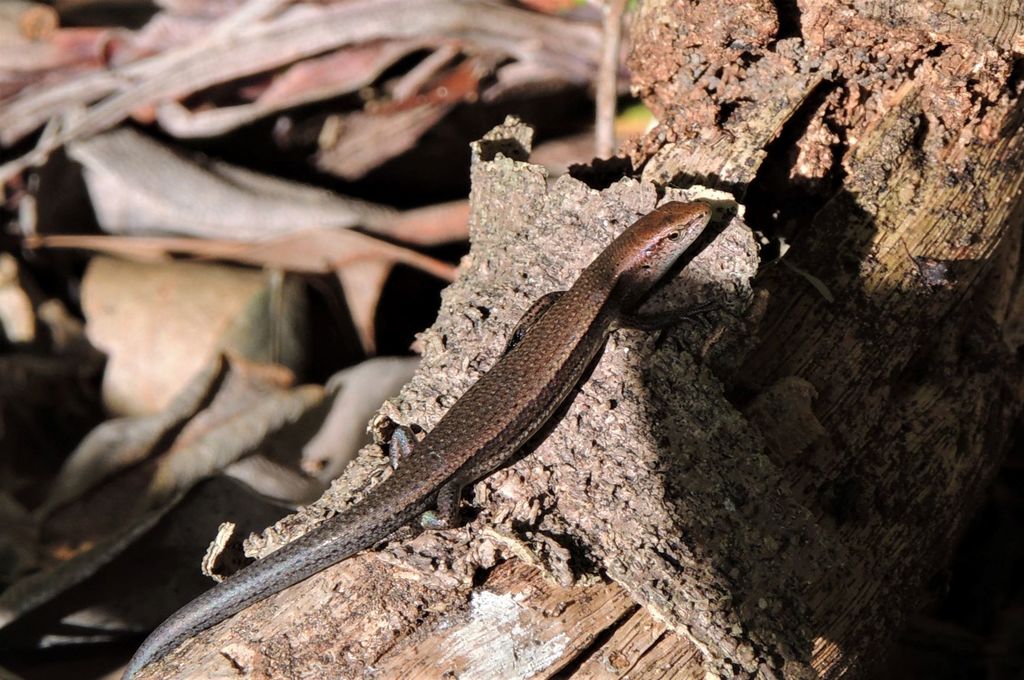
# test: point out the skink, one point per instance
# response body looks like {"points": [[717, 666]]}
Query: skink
{"points": [[547, 356]]}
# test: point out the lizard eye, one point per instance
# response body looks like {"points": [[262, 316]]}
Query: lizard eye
{"points": [[672, 235]]}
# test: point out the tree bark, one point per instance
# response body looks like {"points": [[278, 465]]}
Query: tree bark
{"points": [[765, 496]]}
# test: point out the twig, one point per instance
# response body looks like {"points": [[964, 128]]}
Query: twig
{"points": [[411, 82], [607, 72]]}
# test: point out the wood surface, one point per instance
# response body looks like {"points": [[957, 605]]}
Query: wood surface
{"points": [[764, 497]]}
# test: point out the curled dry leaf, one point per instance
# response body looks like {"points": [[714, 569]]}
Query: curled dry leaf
{"points": [[96, 525], [415, 78], [354, 144], [327, 250], [68, 50], [432, 224], [362, 283], [311, 80], [140, 186], [274, 481], [251, 403], [160, 324], [101, 508], [312, 251], [121, 442]]}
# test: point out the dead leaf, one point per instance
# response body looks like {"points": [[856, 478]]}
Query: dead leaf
{"points": [[312, 251], [17, 318], [161, 324], [353, 144], [140, 186], [265, 42], [275, 482], [250, 404], [250, 401], [362, 282], [432, 224], [121, 442], [345, 70]]}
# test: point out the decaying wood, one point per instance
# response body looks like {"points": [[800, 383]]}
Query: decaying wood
{"points": [[529, 241], [775, 496], [899, 125]]}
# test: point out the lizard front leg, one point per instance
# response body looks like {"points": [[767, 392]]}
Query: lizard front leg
{"points": [[657, 321], [532, 315]]}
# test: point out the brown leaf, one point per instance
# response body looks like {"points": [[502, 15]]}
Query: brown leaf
{"points": [[252, 403], [311, 251], [140, 186], [31, 60], [160, 324], [326, 250], [274, 481], [358, 142], [431, 225], [345, 70], [270, 42], [121, 442], [362, 283]]}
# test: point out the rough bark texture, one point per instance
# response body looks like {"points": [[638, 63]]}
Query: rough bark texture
{"points": [[777, 497], [886, 139]]}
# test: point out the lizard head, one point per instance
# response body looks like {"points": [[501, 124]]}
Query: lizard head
{"points": [[651, 245]]}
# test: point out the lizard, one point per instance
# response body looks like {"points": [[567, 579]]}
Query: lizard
{"points": [[547, 356]]}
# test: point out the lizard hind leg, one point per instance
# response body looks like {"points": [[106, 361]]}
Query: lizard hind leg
{"points": [[447, 515]]}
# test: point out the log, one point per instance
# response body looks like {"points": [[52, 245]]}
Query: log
{"points": [[762, 496]]}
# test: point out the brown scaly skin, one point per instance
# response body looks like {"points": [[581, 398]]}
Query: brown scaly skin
{"points": [[549, 354]]}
